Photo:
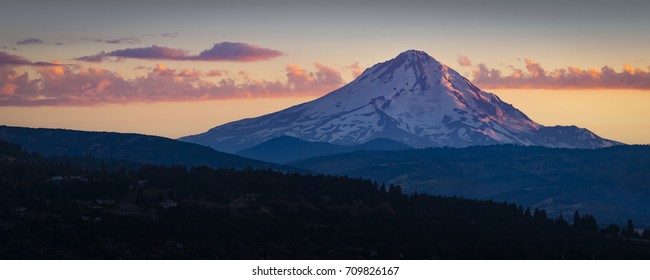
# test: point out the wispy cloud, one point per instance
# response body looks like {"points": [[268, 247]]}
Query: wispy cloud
{"points": [[115, 41], [170, 34], [356, 69], [77, 86], [463, 61], [96, 58], [534, 76], [30, 41], [225, 51]]}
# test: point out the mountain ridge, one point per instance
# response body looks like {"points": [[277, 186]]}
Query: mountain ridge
{"points": [[123, 146]]}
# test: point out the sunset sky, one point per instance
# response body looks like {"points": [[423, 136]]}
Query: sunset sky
{"points": [[174, 68]]}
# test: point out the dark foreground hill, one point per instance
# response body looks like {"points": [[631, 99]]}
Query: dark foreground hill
{"points": [[54, 211], [123, 146], [611, 183]]}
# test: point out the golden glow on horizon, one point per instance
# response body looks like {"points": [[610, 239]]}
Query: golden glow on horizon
{"points": [[620, 115], [169, 119]]}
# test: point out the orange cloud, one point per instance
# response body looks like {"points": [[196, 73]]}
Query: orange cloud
{"points": [[323, 80], [66, 85], [356, 69], [536, 77], [215, 73]]}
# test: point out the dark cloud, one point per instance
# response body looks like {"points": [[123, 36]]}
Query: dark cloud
{"points": [[534, 76], [10, 60], [13, 60], [125, 40], [153, 52], [229, 51], [225, 51], [97, 58], [30, 41], [69, 86], [170, 34]]}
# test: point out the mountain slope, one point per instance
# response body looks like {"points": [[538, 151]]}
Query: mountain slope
{"points": [[611, 183], [413, 99], [286, 149], [122, 146]]}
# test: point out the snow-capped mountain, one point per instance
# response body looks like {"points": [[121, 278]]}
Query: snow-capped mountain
{"points": [[413, 99]]}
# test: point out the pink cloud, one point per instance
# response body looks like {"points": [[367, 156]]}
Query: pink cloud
{"points": [[535, 76], [324, 79], [64, 85], [14, 84], [225, 51], [356, 69], [463, 61], [215, 73]]}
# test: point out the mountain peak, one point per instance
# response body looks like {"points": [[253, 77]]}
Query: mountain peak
{"points": [[417, 57], [414, 53], [413, 99]]}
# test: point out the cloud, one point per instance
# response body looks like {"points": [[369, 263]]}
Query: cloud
{"points": [[14, 84], [464, 61], [356, 69], [10, 60], [170, 34], [534, 76], [153, 52], [228, 51], [225, 51], [30, 41], [325, 78], [216, 73], [124, 40], [97, 58], [13, 60], [65, 85]]}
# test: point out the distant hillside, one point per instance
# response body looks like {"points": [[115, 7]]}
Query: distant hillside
{"points": [[123, 146], [611, 183], [286, 149]]}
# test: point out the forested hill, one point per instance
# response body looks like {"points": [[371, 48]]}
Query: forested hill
{"points": [[612, 183], [55, 211], [124, 146]]}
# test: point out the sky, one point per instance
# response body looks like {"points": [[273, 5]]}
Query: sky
{"points": [[175, 68]]}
